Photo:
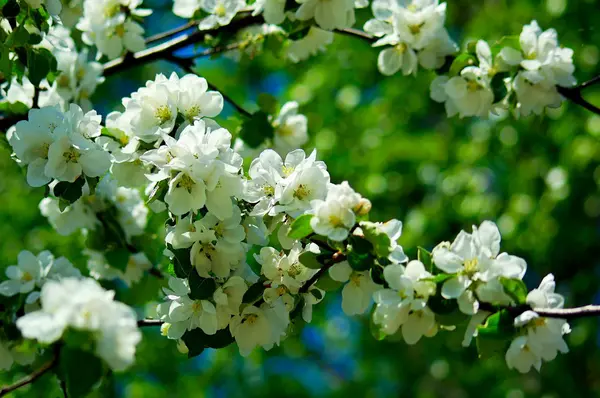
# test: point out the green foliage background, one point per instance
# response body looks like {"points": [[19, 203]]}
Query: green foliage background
{"points": [[538, 178]]}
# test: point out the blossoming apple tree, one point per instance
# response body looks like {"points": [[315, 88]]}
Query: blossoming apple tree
{"points": [[256, 233]]}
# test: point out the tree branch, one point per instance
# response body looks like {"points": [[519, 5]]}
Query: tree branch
{"points": [[335, 259], [559, 313], [30, 378], [149, 322]]}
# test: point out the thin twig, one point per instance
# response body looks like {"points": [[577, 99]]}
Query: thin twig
{"points": [[149, 322], [336, 258], [213, 51], [172, 32], [30, 378]]}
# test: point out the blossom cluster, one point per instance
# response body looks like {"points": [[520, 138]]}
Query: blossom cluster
{"points": [[33, 272], [413, 33], [59, 146], [111, 26], [83, 305], [522, 76]]}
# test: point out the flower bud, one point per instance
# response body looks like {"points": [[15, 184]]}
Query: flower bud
{"points": [[363, 207]]}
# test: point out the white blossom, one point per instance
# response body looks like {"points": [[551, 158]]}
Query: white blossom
{"points": [[221, 12], [358, 291], [540, 339], [476, 258], [405, 303], [334, 216], [82, 304], [315, 40], [106, 25], [328, 14]]}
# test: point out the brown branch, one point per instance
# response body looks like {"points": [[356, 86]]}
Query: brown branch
{"points": [[172, 32], [30, 378], [149, 322], [559, 313], [335, 259]]}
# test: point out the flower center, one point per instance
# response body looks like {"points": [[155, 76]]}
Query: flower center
{"points": [[471, 266], [186, 182], [197, 306], [192, 112], [302, 192], [285, 131], [401, 48], [268, 190], [120, 30], [472, 86], [27, 277], [287, 170], [251, 319], [416, 28], [220, 10], [163, 114], [71, 156]]}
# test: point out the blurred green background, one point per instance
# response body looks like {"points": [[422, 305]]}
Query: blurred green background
{"points": [[538, 178]]}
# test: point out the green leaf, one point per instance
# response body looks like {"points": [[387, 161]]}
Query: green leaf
{"points": [[301, 228], [297, 311], [379, 239], [118, 258], [196, 340], [424, 256], [79, 370], [11, 9], [251, 260], [267, 103], [39, 63], [256, 129], [5, 61], [515, 289], [326, 283], [310, 260], [441, 278], [92, 183], [201, 288], [317, 294], [510, 41], [69, 191], [181, 262], [499, 86], [158, 192], [494, 337], [254, 292], [377, 275], [360, 262], [360, 245], [461, 62], [18, 38]]}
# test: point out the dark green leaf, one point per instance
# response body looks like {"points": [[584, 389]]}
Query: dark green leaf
{"points": [[92, 183], [515, 289], [79, 370], [317, 294], [377, 275], [310, 260], [256, 129], [254, 292], [181, 262], [297, 311], [118, 258], [267, 103], [69, 191], [360, 262], [11, 9], [360, 245], [495, 336], [196, 340], [326, 283], [201, 288], [499, 86], [301, 228]]}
